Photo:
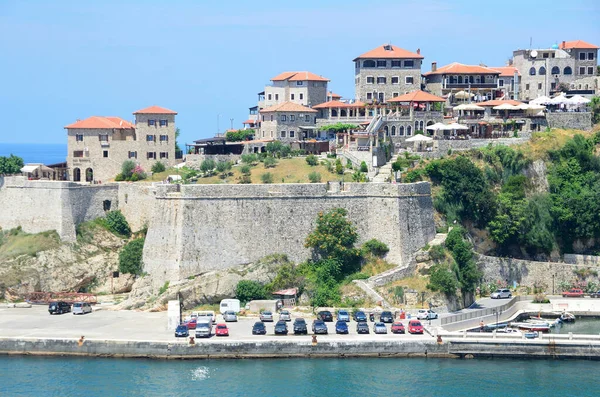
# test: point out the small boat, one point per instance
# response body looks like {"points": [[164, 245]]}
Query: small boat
{"points": [[531, 334], [567, 317], [510, 331], [533, 326]]}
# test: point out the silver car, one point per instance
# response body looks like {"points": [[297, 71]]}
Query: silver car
{"points": [[285, 316], [229, 316], [266, 316], [81, 308], [501, 294]]}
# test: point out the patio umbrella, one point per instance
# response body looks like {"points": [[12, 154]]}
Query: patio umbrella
{"points": [[419, 138], [531, 106], [460, 107], [463, 95], [558, 100], [579, 100], [472, 106], [456, 126], [506, 106], [541, 100]]}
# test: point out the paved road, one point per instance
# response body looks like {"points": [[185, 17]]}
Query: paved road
{"points": [[128, 325]]}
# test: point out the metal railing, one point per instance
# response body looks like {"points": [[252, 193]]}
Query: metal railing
{"points": [[471, 314]]}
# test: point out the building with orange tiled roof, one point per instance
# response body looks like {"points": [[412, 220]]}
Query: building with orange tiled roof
{"points": [[331, 96], [386, 71], [97, 146], [304, 88], [506, 80], [448, 80], [570, 66], [288, 121]]}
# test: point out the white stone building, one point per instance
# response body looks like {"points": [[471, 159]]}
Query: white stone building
{"points": [[287, 121], [303, 88]]}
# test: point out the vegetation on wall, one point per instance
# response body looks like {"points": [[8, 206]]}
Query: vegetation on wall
{"points": [[130, 257], [10, 165], [239, 135], [116, 223]]}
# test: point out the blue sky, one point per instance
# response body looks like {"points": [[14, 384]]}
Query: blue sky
{"points": [[64, 60]]}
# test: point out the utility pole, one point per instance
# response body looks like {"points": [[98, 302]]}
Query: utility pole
{"points": [[218, 127], [231, 119]]}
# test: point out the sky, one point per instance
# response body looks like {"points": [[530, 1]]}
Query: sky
{"points": [[66, 60]]}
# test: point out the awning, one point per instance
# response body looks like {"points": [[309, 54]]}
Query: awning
{"points": [[289, 291], [308, 127], [29, 168]]}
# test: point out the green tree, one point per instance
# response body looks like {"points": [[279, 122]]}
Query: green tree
{"points": [[375, 247], [595, 108], [442, 279], [339, 127], [246, 170], [312, 160], [339, 168], [267, 177], [247, 290], [363, 167], [127, 169], [10, 165], [239, 135], [269, 162], [130, 257], [208, 166], [223, 166], [359, 177], [250, 158], [158, 167], [177, 134], [116, 223]]}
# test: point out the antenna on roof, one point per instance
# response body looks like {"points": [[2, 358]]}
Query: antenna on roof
{"points": [[530, 42]]}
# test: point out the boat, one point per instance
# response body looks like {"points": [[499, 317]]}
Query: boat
{"points": [[567, 317], [531, 334], [510, 331], [532, 326]]}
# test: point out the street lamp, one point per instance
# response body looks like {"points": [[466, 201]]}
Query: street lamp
{"points": [[553, 276], [423, 299]]}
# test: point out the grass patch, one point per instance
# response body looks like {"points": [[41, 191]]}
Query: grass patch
{"points": [[541, 142], [16, 242], [413, 282], [85, 231], [375, 266], [164, 288], [161, 176]]}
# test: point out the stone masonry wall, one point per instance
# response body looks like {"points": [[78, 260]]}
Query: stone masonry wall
{"points": [[574, 120], [209, 227]]}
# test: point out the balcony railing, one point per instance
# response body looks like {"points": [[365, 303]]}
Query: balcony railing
{"points": [[471, 85]]}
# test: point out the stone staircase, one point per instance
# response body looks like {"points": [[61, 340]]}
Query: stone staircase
{"points": [[372, 293], [385, 171]]}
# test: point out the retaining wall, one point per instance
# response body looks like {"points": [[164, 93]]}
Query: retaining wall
{"points": [[572, 120]]}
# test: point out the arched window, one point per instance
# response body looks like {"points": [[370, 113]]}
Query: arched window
{"points": [[555, 70], [401, 130], [532, 71], [385, 130], [343, 113], [542, 71], [408, 130], [76, 175], [393, 130], [333, 112], [421, 125], [416, 125], [89, 175], [459, 79], [369, 63], [568, 70]]}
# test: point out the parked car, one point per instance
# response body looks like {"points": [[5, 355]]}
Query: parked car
{"points": [[191, 324], [319, 327], [59, 307], [573, 293], [379, 328], [221, 330], [341, 327], [415, 327], [285, 315], [343, 315], [229, 316], [386, 317], [362, 328], [182, 331], [300, 326], [81, 308], [426, 314], [266, 316], [595, 294], [359, 316], [281, 328], [259, 328], [503, 293], [325, 315], [203, 327], [397, 328]]}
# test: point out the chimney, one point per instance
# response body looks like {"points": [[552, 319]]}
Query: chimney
{"points": [[419, 51], [563, 44], [433, 66]]}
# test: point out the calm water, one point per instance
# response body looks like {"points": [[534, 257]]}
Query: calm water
{"points": [[47, 376], [36, 153]]}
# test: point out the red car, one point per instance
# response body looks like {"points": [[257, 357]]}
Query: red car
{"points": [[191, 324], [221, 330], [397, 328], [573, 293], [415, 327]]}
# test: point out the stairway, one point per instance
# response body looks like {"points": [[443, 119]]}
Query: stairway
{"points": [[372, 293], [385, 171]]}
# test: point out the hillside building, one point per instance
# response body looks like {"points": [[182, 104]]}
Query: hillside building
{"points": [[474, 80], [288, 122]]}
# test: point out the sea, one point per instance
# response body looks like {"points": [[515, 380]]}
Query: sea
{"points": [[78, 376], [36, 153]]}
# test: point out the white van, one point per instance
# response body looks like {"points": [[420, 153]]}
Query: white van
{"points": [[205, 315], [203, 327], [230, 305]]}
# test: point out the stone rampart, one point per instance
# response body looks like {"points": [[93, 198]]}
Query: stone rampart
{"points": [[577, 259], [573, 120], [208, 227]]}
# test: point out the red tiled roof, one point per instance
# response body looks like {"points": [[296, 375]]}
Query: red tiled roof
{"points": [[498, 102], [99, 122], [298, 76], [338, 104], [388, 51], [459, 68], [417, 96], [288, 107], [250, 121], [333, 95], [577, 44], [155, 110], [506, 71]]}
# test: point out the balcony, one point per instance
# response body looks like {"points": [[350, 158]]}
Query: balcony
{"points": [[471, 85]]}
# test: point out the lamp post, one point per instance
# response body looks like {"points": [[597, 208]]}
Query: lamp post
{"points": [[423, 299], [553, 275]]}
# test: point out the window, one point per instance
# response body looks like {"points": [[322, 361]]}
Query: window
{"points": [[555, 70], [396, 64], [409, 130], [381, 97], [409, 64], [393, 130], [132, 155], [369, 95], [103, 138], [370, 80], [590, 70], [163, 123], [149, 138], [272, 117], [409, 80], [395, 94], [545, 55], [299, 82], [542, 71], [590, 56], [269, 97], [369, 64], [568, 70], [501, 83], [301, 96], [582, 70], [532, 71], [283, 117], [395, 80], [164, 138], [79, 137], [381, 64], [164, 155], [283, 134], [307, 118], [527, 87], [381, 80], [151, 155], [582, 56], [78, 153], [291, 97], [105, 154], [292, 117], [292, 134], [263, 117], [151, 122], [276, 97], [539, 86], [553, 86], [401, 131]]}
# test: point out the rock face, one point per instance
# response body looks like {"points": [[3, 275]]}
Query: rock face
{"points": [[207, 288], [536, 174], [67, 268]]}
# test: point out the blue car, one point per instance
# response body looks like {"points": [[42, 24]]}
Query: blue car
{"points": [[360, 317], [341, 327], [343, 315], [181, 331]]}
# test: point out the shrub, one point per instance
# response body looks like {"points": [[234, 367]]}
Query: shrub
{"points": [[138, 173], [245, 179], [364, 167], [117, 224], [375, 247], [127, 169], [359, 177], [164, 288], [223, 166], [130, 257], [208, 166], [239, 135], [314, 177], [246, 170], [349, 164], [437, 253], [414, 176], [329, 166], [339, 169], [158, 167], [247, 290], [442, 279], [10, 165], [267, 177], [119, 178], [270, 162], [312, 160], [134, 178], [249, 158]]}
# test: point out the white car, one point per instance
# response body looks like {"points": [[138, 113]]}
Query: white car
{"points": [[229, 316], [424, 314], [501, 294], [81, 308], [285, 316]]}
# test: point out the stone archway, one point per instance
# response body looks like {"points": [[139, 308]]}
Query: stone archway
{"points": [[89, 175], [76, 175]]}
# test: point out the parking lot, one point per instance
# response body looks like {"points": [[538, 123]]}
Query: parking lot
{"points": [[36, 322]]}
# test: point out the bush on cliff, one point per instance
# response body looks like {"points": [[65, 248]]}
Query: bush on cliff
{"points": [[10, 165], [247, 290], [130, 257], [267, 177], [375, 248], [442, 279], [208, 166], [158, 167], [117, 224]]}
